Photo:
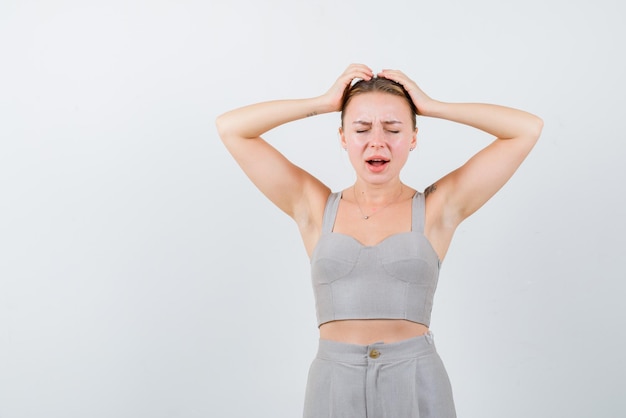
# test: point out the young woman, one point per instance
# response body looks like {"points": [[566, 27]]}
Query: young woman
{"points": [[376, 247]]}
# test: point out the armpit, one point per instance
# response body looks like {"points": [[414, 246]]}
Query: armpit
{"points": [[430, 189]]}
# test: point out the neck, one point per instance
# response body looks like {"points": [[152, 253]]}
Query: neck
{"points": [[374, 195]]}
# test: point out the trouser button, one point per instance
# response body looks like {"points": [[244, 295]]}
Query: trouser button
{"points": [[374, 353]]}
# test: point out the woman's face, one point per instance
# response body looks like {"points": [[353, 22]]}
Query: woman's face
{"points": [[378, 134]]}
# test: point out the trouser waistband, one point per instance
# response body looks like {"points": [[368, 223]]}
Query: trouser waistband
{"points": [[377, 352]]}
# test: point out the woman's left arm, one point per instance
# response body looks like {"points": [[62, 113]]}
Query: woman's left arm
{"points": [[475, 182], [470, 186]]}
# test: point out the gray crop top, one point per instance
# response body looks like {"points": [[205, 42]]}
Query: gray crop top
{"points": [[394, 279]]}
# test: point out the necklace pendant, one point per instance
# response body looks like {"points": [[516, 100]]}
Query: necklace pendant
{"points": [[366, 217]]}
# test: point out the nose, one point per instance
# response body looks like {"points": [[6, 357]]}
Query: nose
{"points": [[377, 137], [376, 142]]}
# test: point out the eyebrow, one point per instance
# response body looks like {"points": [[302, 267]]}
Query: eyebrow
{"points": [[385, 122]]}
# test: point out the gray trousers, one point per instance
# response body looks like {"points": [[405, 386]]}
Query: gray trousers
{"points": [[405, 379]]}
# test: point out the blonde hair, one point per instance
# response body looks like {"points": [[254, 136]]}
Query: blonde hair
{"points": [[377, 84]]}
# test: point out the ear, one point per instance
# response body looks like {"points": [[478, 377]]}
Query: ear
{"points": [[414, 139], [342, 138]]}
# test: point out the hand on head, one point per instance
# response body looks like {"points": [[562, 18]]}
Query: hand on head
{"points": [[334, 95], [355, 72], [420, 99]]}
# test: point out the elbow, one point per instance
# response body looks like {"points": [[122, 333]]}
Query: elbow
{"points": [[221, 124], [531, 129], [536, 127]]}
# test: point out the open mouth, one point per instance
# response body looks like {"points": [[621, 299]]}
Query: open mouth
{"points": [[377, 162]]}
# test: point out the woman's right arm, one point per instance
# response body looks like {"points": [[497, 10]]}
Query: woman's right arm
{"points": [[285, 184]]}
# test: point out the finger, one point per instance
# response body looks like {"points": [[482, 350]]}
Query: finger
{"points": [[392, 74], [389, 75], [361, 76], [360, 70], [397, 76], [362, 67]]}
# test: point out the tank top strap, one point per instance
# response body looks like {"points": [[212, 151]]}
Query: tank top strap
{"points": [[418, 212], [330, 212]]}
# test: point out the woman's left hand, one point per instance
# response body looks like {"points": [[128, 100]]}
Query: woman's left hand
{"points": [[421, 100]]}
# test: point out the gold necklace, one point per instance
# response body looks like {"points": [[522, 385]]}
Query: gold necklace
{"points": [[366, 217]]}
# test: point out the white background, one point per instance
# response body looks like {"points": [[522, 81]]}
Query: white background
{"points": [[142, 275]]}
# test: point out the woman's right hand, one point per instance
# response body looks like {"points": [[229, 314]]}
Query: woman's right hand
{"points": [[333, 97]]}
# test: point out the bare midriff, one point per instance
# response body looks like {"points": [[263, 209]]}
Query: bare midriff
{"points": [[368, 331]]}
